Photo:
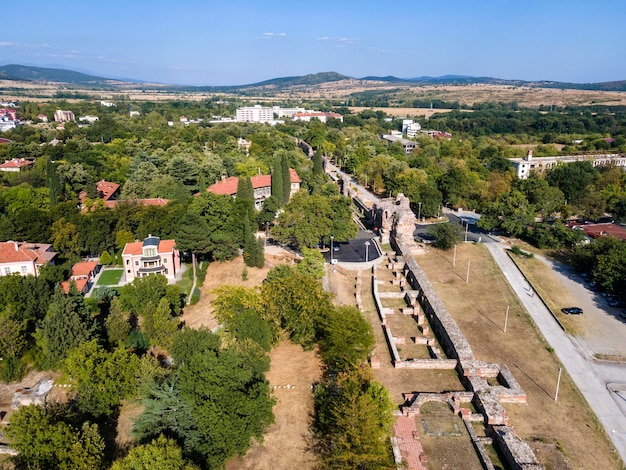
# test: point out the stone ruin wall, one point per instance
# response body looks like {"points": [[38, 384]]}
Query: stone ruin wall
{"points": [[397, 227]]}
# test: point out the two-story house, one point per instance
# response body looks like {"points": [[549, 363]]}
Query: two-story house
{"points": [[152, 256], [24, 258]]}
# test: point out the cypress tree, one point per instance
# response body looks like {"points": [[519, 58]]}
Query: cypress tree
{"points": [[318, 168], [286, 179], [54, 186], [277, 183]]}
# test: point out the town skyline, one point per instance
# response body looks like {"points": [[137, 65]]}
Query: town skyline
{"points": [[214, 43]]}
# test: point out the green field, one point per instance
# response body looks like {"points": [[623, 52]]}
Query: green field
{"points": [[110, 277]]}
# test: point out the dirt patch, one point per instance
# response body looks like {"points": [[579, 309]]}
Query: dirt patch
{"points": [[286, 444], [57, 394], [226, 273]]}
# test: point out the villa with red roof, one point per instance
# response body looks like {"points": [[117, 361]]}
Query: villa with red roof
{"points": [[262, 185], [16, 164], [82, 275], [151, 256], [24, 258]]}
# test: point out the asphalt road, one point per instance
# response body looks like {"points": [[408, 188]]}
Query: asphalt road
{"points": [[602, 401], [355, 250]]}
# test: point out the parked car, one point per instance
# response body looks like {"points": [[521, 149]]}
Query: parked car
{"points": [[572, 311]]}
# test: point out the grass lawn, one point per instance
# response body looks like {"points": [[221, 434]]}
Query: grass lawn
{"points": [[110, 277]]}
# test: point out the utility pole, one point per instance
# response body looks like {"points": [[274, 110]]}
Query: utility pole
{"points": [[558, 382], [468, 266], [506, 318], [454, 258], [419, 212], [367, 250], [466, 229]]}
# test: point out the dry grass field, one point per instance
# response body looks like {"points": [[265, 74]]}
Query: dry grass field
{"points": [[565, 434], [464, 94]]}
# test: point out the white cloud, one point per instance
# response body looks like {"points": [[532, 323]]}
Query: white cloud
{"points": [[8, 44], [272, 35], [323, 38], [347, 41]]}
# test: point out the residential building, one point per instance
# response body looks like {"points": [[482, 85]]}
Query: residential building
{"points": [[16, 164], [134, 113], [151, 256], [409, 145], [244, 144], [410, 128], [63, 116], [9, 113], [255, 113], [262, 185], [82, 275], [106, 190], [7, 124], [321, 116], [601, 230], [24, 258], [258, 113], [107, 104], [89, 119], [527, 165], [42, 117]]}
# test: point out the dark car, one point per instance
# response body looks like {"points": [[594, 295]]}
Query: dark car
{"points": [[572, 311]]}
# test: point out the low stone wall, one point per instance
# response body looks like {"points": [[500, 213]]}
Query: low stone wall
{"points": [[433, 364], [478, 446], [518, 454]]}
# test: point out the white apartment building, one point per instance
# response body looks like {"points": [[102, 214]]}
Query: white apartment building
{"points": [[525, 166]]}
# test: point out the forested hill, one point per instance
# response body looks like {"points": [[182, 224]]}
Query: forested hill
{"points": [[41, 74], [28, 73]]}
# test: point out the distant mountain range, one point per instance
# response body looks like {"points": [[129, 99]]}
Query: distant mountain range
{"points": [[41, 74]]}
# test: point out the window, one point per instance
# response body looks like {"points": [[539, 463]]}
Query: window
{"points": [[7, 271], [164, 260], [24, 269], [128, 271], [127, 262], [136, 263]]}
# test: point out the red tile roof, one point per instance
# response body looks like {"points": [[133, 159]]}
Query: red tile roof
{"points": [[135, 248], [15, 252], [261, 181], [294, 176], [5, 141], [84, 268], [16, 163], [603, 230], [229, 185], [107, 189], [80, 285]]}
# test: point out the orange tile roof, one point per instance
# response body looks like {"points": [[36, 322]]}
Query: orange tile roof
{"points": [[84, 268], [261, 181], [80, 285], [229, 185], [106, 189], [15, 252], [293, 176], [16, 163], [135, 248]]}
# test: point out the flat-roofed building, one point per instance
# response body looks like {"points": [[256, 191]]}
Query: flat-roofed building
{"points": [[529, 164]]}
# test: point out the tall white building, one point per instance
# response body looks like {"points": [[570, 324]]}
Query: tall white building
{"points": [[410, 128], [255, 113]]}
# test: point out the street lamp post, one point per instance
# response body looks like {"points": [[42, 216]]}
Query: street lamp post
{"points": [[367, 250], [331, 249], [419, 212], [267, 226]]}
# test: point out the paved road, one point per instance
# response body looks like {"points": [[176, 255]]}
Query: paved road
{"points": [[603, 402]]}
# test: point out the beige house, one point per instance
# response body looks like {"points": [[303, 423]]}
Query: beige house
{"points": [[24, 259]]}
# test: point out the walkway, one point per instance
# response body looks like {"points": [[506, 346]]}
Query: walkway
{"points": [[582, 371]]}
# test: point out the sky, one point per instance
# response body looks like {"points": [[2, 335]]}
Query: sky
{"points": [[237, 42]]}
